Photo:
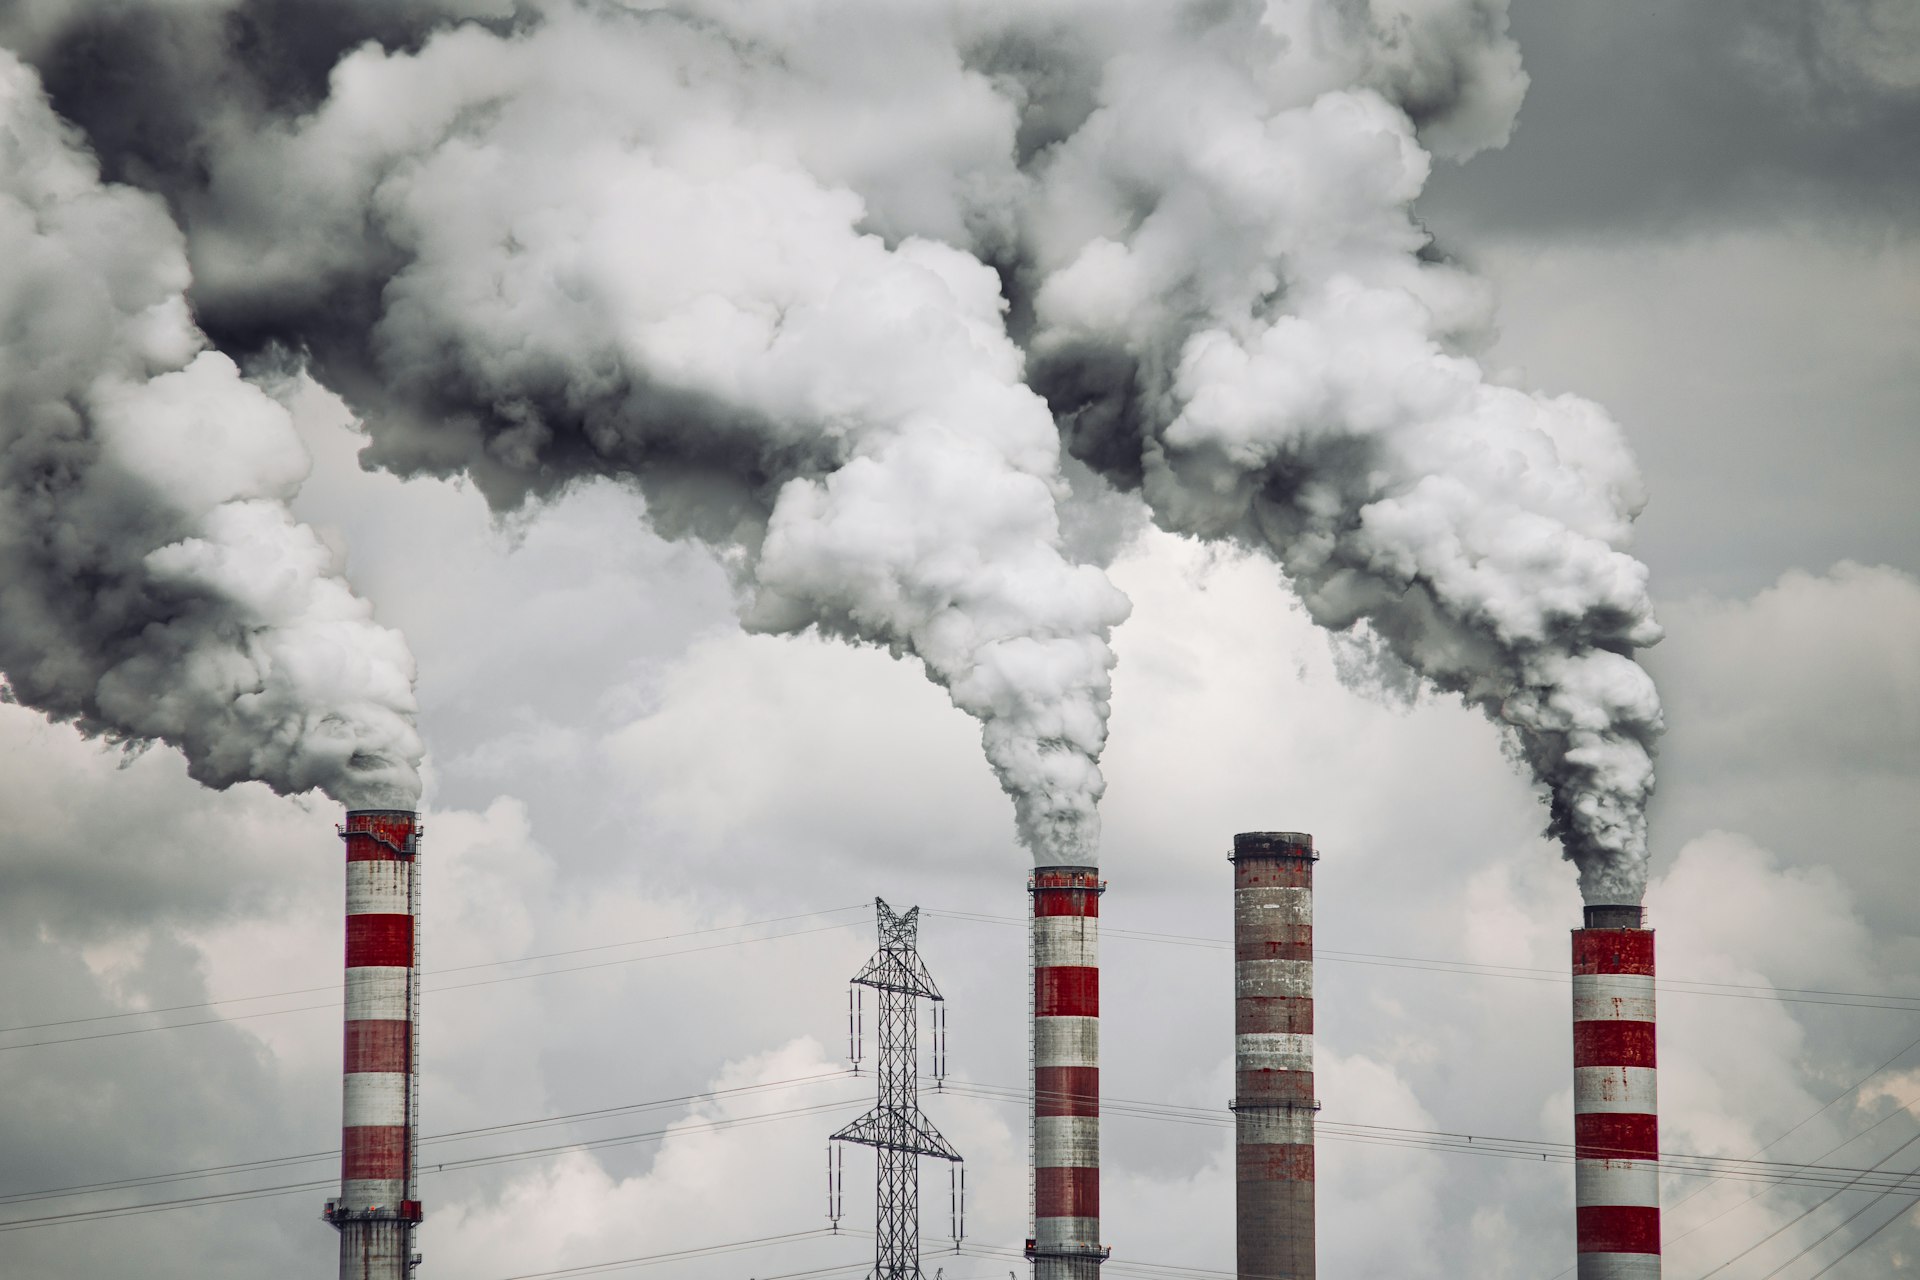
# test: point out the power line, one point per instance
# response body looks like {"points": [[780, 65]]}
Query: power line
{"points": [[981, 1252], [832, 1269], [472, 1162], [1830, 1233], [456, 986], [457, 1135], [1666, 983], [1115, 1266], [1807, 1213], [458, 968], [1843, 1143], [1676, 986], [1899, 1213], [1678, 1163], [676, 1255], [1445, 1142]]}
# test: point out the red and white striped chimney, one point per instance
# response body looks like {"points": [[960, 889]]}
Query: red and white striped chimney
{"points": [[1065, 1243], [380, 1108], [1273, 1054], [1616, 1172]]}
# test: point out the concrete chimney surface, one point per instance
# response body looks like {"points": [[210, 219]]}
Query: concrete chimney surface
{"points": [[1273, 1055]]}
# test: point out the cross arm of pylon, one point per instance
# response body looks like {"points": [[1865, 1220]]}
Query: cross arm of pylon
{"points": [[896, 1130], [889, 971]]}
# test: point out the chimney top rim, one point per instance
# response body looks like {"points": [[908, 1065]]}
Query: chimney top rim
{"points": [[1273, 844]]}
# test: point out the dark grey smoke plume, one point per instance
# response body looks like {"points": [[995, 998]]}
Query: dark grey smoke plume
{"points": [[152, 584], [740, 253]]}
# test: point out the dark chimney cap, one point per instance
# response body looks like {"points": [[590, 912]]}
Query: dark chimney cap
{"points": [[1608, 915], [1272, 844]]}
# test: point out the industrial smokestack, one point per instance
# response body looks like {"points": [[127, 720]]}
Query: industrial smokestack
{"points": [[379, 1201], [1065, 1243], [1273, 1054], [1616, 1178]]}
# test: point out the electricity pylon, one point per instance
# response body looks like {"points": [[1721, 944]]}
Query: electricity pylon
{"points": [[896, 1128]]}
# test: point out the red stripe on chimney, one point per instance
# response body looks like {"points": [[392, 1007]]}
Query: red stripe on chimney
{"points": [[1601, 1135], [377, 1045], [1613, 1044], [374, 1151], [1066, 991], [1066, 1091], [1618, 1228], [1613, 951], [1066, 1193], [379, 940]]}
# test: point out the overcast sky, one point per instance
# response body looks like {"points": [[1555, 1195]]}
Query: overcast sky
{"points": [[1705, 220]]}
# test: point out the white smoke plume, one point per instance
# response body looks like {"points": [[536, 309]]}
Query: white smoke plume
{"points": [[613, 243], [754, 257], [1235, 310], [153, 586]]}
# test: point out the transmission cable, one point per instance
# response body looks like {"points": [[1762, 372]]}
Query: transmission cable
{"points": [[1677, 985], [1900, 1213], [1831, 1231], [471, 1162], [428, 973], [1807, 1213], [1741, 1204], [1510, 1148], [676, 1255], [432, 990], [456, 1135], [1799, 1173]]}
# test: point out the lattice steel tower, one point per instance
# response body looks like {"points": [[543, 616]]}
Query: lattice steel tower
{"points": [[896, 1129]]}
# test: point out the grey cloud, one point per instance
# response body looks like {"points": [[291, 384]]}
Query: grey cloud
{"points": [[82, 870], [1686, 117], [1765, 378], [1798, 719], [113, 879]]}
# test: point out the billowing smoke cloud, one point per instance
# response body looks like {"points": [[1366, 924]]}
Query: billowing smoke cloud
{"points": [[619, 243], [153, 585], [740, 253], [1235, 311]]}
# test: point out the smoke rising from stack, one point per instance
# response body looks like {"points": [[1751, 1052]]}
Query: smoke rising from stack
{"points": [[1235, 312], [752, 258], [619, 244], [156, 587]]}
